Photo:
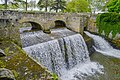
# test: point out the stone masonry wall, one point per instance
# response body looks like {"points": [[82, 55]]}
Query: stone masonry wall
{"points": [[11, 21]]}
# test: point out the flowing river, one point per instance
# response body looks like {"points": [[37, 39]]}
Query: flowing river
{"points": [[107, 56], [65, 53]]}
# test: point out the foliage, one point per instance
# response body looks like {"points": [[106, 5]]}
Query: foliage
{"points": [[113, 6], [32, 4], [97, 5], [4, 5], [58, 5], [15, 73], [77, 6], [6, 50], [116, 43], [11, 4], [2, 64], [108, 22], [1, 6], [44, 4], [54, 77]]}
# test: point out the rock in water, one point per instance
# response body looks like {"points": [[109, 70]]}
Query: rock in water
{"points": [[6, 74], [2, 53]]}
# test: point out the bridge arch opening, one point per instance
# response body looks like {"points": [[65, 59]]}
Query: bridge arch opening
{"points": [[31, 26], [60, 24], [36, 26]]}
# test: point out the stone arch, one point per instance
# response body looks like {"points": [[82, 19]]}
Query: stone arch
{"points": [[35, 24], [58, 23]]}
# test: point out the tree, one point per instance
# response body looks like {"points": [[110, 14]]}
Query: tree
{"points": [[26, 5], [58, 5], [43, 4], [22, 3], [77, 6], [113, 6], [1, 5], [97, 5], [32, 4], [6, 4], [55, 5], [15, 4]]}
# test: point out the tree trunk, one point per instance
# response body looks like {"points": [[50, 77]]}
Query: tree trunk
{"points": [[6, 4], [26, 6], [46, 4], [56, 10], [57, 7]]}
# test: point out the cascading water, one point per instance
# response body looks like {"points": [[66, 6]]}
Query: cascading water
{"points": [[102, 46], [67, 56]]}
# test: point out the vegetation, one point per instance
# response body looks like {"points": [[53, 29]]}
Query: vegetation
{"points": [[54, 77], [43, 4], [23, 67], [58, 5], [116, 43], [113, 6], [63, 5], [77, 6], [7, 4], [97, 5], [108, 22], [48, 5]]}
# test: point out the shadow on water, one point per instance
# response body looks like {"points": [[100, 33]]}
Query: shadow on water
{"points": [[111, 65]]}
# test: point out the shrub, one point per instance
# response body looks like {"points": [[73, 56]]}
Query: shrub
{"points": [[108, 22]]}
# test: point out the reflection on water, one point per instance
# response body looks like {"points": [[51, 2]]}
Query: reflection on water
{"points": [[111, 65]]}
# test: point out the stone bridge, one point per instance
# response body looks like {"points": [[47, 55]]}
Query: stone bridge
{"points": [[42, 21]]}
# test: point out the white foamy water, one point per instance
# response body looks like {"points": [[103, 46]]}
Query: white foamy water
{"points": [[80, 72], [102, 46], [68, 57], [36, 37]]}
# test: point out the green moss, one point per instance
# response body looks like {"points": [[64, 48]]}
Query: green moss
{"points": [[108, 22], [6, 50], [2, 64], [23, 67], [54, 77], [15, 73]]}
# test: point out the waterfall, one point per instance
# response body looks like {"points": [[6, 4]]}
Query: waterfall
{"points": [[67, 56], [102, 46], [32, 38]]}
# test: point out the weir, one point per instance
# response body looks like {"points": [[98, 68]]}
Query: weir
{"points": [[65, 54]]}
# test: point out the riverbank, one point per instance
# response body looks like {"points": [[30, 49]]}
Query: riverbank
{"points": [[23, 67], [116, 43]]}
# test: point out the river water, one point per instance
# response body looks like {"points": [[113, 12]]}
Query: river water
{"points": [[65, 53], [107, 56]]}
